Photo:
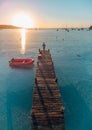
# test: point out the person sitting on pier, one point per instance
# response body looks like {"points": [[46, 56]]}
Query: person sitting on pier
{"points": [[44, 45]]}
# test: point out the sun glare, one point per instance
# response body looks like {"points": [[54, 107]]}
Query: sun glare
{"points": [[22, 20], [23, 40]]}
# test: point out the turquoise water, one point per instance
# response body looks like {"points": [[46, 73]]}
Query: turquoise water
{"points": [[72, 55]]}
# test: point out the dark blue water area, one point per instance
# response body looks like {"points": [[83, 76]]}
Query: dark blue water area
{"points": [[72, 56], [73, 65]]}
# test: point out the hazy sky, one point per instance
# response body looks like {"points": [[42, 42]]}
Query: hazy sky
{"points": [[49, 13]]}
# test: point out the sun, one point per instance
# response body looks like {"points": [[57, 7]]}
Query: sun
{"points": [[23, 20]]}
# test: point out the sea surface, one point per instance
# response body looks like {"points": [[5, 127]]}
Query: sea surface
{"points": [[72, 55]]}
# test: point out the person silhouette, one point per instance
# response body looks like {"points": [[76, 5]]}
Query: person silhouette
{"points": [[44, 45]]}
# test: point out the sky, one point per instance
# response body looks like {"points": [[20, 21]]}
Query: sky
{"points": [[49, 13]]}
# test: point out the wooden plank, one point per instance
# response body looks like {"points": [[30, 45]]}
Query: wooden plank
{"points": [[47, 110]]}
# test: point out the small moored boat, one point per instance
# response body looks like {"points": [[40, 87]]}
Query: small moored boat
{"points": [[18, 62]]}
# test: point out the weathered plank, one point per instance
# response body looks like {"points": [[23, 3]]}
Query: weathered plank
{"points": [[47, 110]]}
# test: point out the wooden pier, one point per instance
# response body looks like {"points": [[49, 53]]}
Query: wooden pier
{"points": [[47, 110]]}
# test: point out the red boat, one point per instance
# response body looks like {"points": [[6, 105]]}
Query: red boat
{"points": [[25, 62]]}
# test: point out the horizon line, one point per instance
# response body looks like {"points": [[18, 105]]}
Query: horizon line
{"points": [[10, 25]]}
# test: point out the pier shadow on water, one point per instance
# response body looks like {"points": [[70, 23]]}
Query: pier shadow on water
{"points": [[75, 86]]}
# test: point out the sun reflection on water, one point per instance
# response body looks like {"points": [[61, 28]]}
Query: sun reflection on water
{"points": [[23, 41]]}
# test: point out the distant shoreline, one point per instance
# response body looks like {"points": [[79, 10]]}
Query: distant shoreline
{"points": [[16, 27], [9, 27]]}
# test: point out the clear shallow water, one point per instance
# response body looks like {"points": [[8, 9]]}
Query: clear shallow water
{"points": [[72, 55]]}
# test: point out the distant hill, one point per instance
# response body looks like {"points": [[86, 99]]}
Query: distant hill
{"points": [[9, 27], [90, 27]]}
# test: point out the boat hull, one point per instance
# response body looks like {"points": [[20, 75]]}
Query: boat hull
{"points": [[27, 62]]}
